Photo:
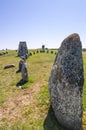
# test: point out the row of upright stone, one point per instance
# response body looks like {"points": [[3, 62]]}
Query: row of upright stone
{"points": [[23, 49]]}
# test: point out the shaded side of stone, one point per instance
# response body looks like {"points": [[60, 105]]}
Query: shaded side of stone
{"points": [[66, 83], [51, 123]]}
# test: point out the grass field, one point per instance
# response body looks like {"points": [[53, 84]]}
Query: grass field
{"points": [[26, 108]]}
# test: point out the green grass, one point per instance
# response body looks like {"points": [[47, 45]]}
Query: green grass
{"points": [[26, 108], [84, 87], [32, 115]]}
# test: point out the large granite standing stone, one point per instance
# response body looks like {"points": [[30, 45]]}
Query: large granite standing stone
{"points": [[66, 83]]}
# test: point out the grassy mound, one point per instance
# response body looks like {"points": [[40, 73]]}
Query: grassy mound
{"points": [[27, 107]]}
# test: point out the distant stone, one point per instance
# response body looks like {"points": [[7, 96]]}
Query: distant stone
{"points": [[43, 48], [9, 66], [22, 49], [1, 53], [30, 54], [66, 83], [51, 52]]}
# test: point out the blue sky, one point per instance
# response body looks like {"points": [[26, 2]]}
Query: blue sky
{"points": [[40, 22]]}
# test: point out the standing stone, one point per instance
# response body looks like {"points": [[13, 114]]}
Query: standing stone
{"points": [[23, 50], [43, 48], [66, 83], [24, 70], [20, 66]]}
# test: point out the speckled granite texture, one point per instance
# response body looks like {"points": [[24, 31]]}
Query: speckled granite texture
{"points": [[66, 83]]}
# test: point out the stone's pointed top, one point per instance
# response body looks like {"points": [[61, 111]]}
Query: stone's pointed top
{"points": [[73, 37]]}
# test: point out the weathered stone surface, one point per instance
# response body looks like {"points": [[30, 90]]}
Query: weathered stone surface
{"points": [[66, 83], [24, 71], [43, 48], [20, 66], [22, 49]]}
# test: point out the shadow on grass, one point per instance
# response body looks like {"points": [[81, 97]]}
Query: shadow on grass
{"points": [[24, 84], [20, 83], [51, 122]]}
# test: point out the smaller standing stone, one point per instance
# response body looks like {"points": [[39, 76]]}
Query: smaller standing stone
{"points": [[43, 48], [20, 66], [23, 50], [24, 71]]}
